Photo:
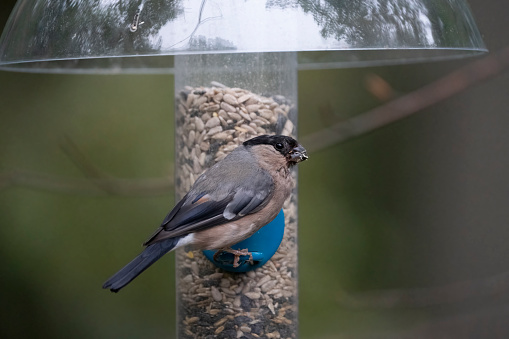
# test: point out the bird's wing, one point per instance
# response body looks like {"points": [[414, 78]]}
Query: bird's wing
{"points": [[201, 209]]}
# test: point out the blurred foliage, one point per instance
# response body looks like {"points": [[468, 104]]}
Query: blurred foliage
{"points": [[96, 18], [61, 247], [416, 204]]}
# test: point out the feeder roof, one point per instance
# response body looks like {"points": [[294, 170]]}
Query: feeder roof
{"points": [[142, 36]]}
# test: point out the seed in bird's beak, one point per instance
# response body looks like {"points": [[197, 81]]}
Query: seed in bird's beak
{"points": [[298, 154]]}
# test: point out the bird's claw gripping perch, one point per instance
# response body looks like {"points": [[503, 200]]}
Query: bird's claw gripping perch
{"points": [[236, 255]]}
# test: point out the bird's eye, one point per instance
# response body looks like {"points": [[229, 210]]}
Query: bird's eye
{"points": [[279, 146]]}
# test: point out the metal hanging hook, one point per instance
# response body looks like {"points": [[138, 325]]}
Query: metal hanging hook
{"points": [[136, 19]]}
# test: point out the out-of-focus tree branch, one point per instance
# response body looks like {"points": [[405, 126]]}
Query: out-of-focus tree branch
{"points": [[490, 318], [99, 183], [411, 103], [424, 297], [80, 159], [86, 186], [95, 183]]}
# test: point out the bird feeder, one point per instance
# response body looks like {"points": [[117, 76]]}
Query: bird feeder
{"points": [[235, 65]]}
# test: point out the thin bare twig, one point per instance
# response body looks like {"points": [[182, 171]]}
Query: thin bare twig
{"points": [[97, 183], [86, 186], [69, 147]]}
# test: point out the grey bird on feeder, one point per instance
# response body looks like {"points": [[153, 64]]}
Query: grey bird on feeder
{"points": [[228, 203]]}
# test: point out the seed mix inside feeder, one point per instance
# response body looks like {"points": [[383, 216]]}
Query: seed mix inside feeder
{"points": [[212, 121]]}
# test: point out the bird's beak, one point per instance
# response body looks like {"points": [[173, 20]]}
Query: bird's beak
{"points": [[298, 154]]}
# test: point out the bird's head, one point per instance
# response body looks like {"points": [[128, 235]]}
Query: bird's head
{"points": [[286, 146]]}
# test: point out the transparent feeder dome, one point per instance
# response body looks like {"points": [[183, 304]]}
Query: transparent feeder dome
{"points": [[96, 36]]}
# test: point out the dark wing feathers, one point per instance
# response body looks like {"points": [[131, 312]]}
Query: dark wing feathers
{"points": [[166, 220], [199, 210], [174, 211], [189, 217], [245, 202], [257, 202], [139, 264], [240, 200], [192, 227]]}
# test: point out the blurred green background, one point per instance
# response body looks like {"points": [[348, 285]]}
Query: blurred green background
{"points": [[417, 206]]}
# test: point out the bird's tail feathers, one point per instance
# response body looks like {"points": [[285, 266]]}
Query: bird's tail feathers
{"points": [[139, 264]]}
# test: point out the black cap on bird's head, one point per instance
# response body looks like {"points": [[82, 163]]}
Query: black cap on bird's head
{"points": [[287, 146]]}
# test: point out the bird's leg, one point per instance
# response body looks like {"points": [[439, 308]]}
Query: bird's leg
{"points": [[236, 255]]}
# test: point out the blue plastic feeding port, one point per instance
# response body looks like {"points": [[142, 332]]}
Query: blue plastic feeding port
{"points": [[262, 245]]}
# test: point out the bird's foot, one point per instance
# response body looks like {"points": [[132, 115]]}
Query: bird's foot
{"points": [[236, 255]]}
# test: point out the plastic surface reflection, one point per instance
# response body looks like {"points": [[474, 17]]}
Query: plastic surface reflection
{"points": [[41, 30]]}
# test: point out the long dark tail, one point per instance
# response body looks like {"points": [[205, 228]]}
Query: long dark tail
{"points": [[139, 264]]}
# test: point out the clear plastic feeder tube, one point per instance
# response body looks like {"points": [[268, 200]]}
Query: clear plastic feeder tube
{"points": [[221, 101]]}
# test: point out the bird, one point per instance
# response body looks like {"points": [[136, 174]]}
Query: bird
{"points": [[228, 203]]}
